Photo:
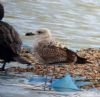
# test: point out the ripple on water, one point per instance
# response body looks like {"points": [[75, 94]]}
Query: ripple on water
{"points": [[70, 19]]}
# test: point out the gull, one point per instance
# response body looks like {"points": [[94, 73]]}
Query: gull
{"points": [[48, 51], [10, 43]]}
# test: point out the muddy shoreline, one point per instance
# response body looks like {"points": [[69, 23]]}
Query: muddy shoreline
{"points": [[91, 72]]}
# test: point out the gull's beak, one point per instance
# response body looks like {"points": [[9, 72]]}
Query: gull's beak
{"points": [[29, 34]]}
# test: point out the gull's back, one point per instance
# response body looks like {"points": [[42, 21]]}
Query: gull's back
{"points": [[50, 53], [10, 42]]}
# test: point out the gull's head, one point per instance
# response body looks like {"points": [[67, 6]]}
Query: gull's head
{"points": [[40, 34]]}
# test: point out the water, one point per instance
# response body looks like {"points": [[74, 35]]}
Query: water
{"points": [[17, 85], [74, 22]]}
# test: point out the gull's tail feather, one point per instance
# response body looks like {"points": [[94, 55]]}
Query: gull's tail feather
{"points": [[22, 60], [81, 60]]}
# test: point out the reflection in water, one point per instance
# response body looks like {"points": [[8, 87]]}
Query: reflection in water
{"points": [[76, 23]]}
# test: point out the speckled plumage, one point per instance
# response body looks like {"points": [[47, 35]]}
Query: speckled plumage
{"points": [[49, 51], [52, 53]]}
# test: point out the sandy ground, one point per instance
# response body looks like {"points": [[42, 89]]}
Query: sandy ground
{"points": [[11, 85]]}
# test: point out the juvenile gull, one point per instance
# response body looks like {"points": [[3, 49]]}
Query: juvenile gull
{"points": [[48, 51], [10, 43]]}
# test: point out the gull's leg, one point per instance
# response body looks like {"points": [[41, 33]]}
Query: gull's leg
{"points": [[72, 67], [46, 77], [3, 66], [52, 75]]}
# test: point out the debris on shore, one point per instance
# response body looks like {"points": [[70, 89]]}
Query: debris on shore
{"points": [[91, 72]]}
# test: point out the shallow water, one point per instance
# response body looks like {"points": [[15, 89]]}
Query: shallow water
{"points": [[74, 22], [17, 85]]}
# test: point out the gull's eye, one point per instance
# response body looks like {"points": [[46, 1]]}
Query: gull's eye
{"points": [[39, 32]]}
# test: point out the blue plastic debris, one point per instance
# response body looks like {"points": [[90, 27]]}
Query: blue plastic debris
{"points": [[81, 81], [37, 79], [80, 84], [64, 84]]}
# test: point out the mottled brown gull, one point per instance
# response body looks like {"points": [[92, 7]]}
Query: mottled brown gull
{"points": [[48, 51]]}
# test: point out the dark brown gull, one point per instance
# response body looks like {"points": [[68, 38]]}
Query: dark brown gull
{"points": [[10, 43]]}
